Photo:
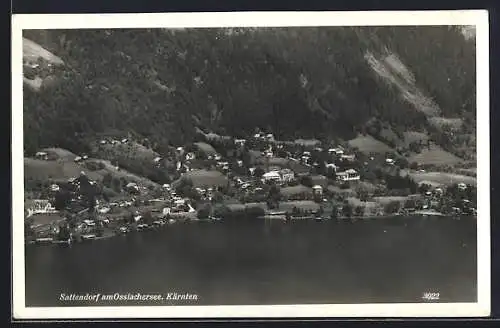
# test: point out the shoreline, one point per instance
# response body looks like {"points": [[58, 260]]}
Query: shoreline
{"points": [[112, 234]]}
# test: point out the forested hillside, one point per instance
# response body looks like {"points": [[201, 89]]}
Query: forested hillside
{"points": [[333, 82]]}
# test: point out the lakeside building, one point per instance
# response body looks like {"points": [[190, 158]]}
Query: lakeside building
{"points": [[42, 155], [279, 176], [348, 175], [40, 206], [272, 176]]}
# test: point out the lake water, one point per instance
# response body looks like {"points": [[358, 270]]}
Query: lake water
{"points": [[262, 262]]}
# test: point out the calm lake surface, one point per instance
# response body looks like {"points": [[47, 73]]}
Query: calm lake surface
{"points": [[261, 262]]}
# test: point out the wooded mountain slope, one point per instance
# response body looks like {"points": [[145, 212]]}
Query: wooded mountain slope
{"points": [[327, 82]]}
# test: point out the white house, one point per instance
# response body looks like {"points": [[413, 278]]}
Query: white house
{"points": [[331, 166], [240, 142], [54, 188], [287, 175], [42, 155], [346, 157], [462, 186], [348, 175], [336, 151], [272, 176], [389, 161], [41, 206]]}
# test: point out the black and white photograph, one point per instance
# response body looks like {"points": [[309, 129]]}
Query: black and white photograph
{"points": [[206, 165]]}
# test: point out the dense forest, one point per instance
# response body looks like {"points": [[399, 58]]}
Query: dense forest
{"points": [[298, 82]]}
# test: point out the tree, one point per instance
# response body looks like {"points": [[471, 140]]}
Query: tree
{"points": [[147, 217], [347, 210], [116, 185], [392, 207], [259, 172], [423, 188], [333, 215], [410, 203], [62, 200], [306, 181], [204, 212], [107, 180], [359, 211]]}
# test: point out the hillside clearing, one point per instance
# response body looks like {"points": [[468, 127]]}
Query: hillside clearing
{"points": [[60, 153], [368, 144], [414, 136], [205, 178], [440, 122], [443, 178], [61, 170], [206, 148], [295, 190], [54, 170], [435, 156], [33, 51]]}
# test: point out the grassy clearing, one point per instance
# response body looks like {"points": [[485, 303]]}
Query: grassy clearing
{"points": [[368, 144], [301, 204], [206, 148], [121, 173], [390, 136], [435, 156], [414, 136], [44, 219], [440, 122], [32, 51], [387, 199], [338, 190], [307, 142], [60, 153], [274, 161], [295, 190], [54, 170], [41, 170], [205, 178], [369, 207], [442, 178]]}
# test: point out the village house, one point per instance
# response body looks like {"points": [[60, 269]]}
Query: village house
{"points": [[317, 191], [336, 151], [42, 155], [348, 158], [331, 168], [272, 176], [348, 175], [287, 175], [389, 161], [132, 187], [40, 206], [240, 142], [462, 186], [54, 188]]}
